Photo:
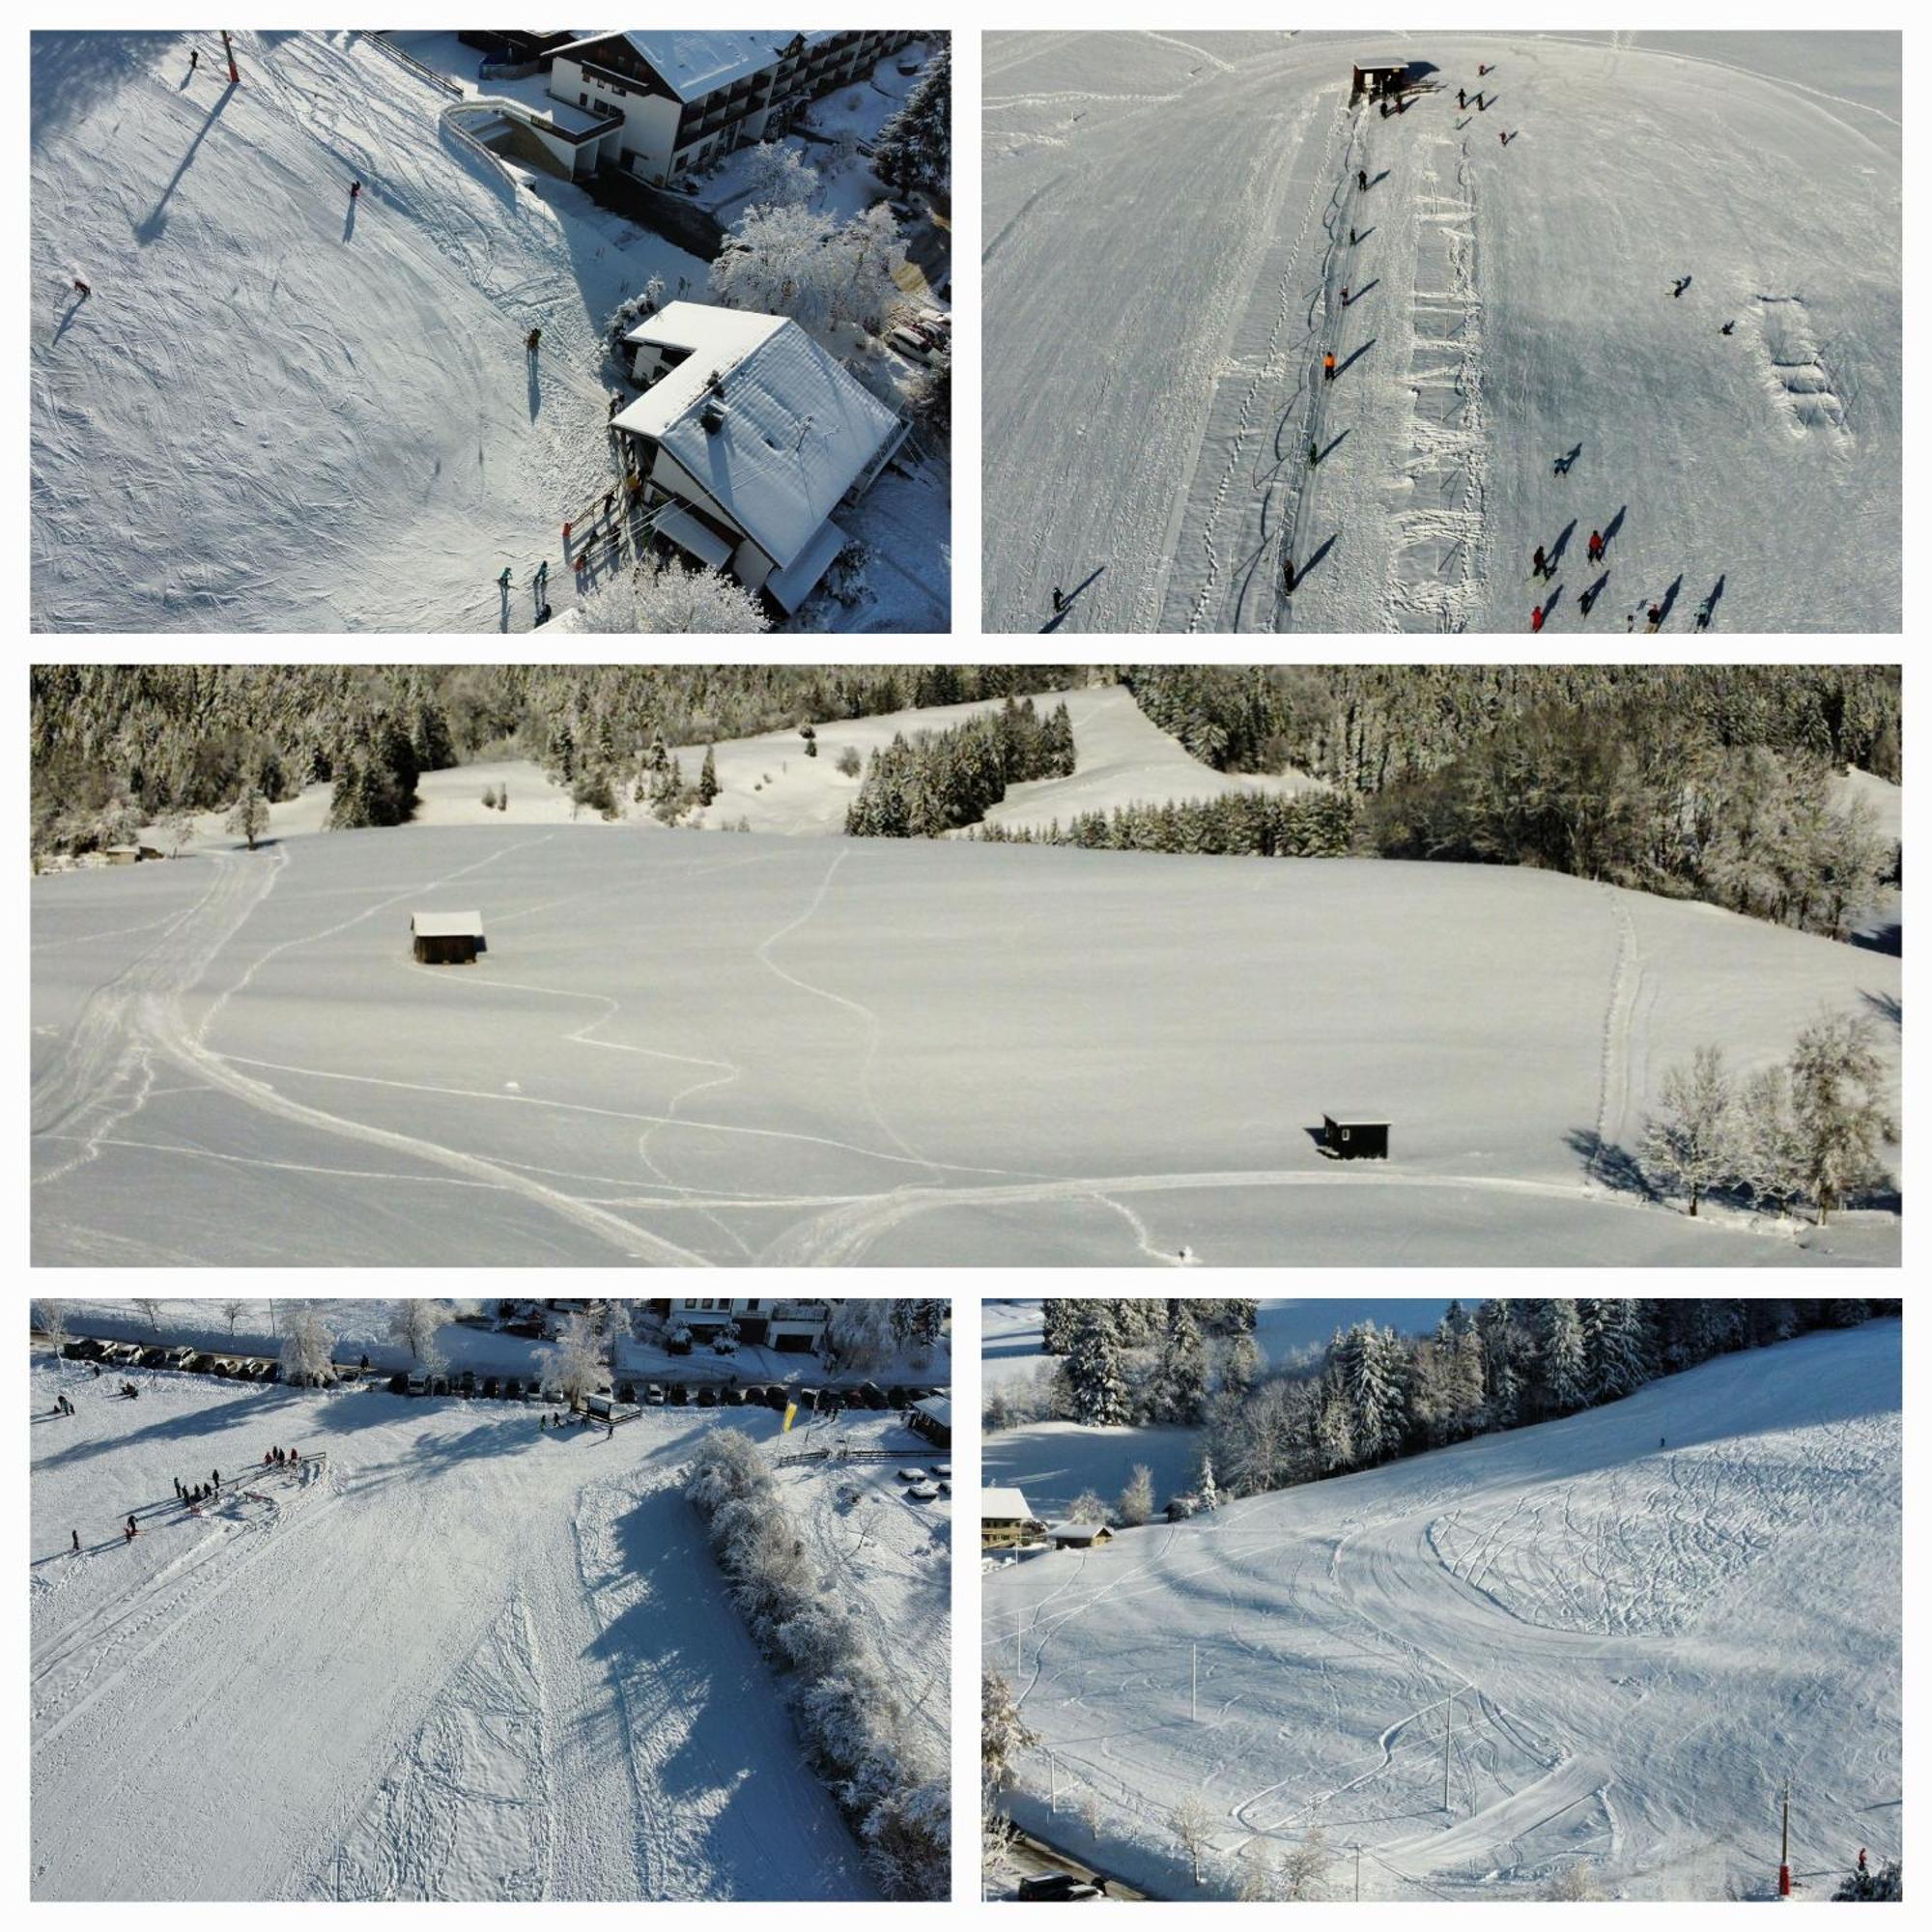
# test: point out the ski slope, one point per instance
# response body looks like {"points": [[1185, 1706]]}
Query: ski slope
{"points": [[461, 1657], [1648, 1615], [690, 1049], [1167, 255]]}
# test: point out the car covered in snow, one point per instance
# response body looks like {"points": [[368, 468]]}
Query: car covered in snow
{"points": [[942, 1470], [654, 1395], [910, 1475], [924, 1492], [707, 1396]]}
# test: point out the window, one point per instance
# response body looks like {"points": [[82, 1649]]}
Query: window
{"points": [[691, 1304], [584, 100], [752, 1306]]}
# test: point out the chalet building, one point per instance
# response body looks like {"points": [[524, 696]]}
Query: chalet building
{"points": [[1005, 1521], [447, 938], [1079, 1535], [791, 1328], [933, 1418], [747, 436], [685, 99], [1354, 1137], [515, 46]]}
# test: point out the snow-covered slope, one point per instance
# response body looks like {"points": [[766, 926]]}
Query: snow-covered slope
{"points": [[1648, 1615], [277, 410], [807, 1050], [1167, 253], [461, 1657]]}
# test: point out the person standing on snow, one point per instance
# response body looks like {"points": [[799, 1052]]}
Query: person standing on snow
{"points": [[76, 1543], [1059, 599], [1656, 617], [1536, 563], [354, 190], [1536, 618], [1362, 179], [193, 59], [1595, 547], [1328, 367], [503, 581], [1460, 102]]}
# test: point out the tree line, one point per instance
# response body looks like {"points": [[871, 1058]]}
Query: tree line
{"points": [[938, 781], [1303, 825], [1709, 781]]}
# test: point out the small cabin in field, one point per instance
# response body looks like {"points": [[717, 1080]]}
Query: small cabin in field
{"points": [[1354, 1137], [1079, 1535], [447, 938], [1382, 80], [933, 1418], [123, 855]]}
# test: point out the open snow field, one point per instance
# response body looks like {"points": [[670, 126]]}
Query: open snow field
{"points": [[460, 1657], [1642, 1641], [1167, 223], [691, 1049]]}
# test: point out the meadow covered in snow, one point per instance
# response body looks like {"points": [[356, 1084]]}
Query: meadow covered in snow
{"points": [[454, 1656], [1632, 1625], [1180, 225]]}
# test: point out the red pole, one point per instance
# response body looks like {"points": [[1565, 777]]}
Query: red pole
{"points": [[1785, 1848], [234, 78]]}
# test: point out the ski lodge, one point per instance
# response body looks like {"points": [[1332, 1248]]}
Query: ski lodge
{"points": [[749, 435], [447, 938], [1005, 1521], [668, 102], [1354, 1137]]}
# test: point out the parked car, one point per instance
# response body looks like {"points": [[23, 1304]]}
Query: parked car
{"points": [[924, 1492], [492, 1386], [945, 1488], [513, 1390], [677, 1394], [182, 1357], [943, 1469], [224, 1365], [734, 1398], [202, 1365], [627, 1391], [870, 1395], [1056, 1888], [153, 1356], [910, 1475], [466, 1382], [399, 1383], [776, 1397], [897, 1398], [707, 1396], [439, 1385], [654, 1395], [908, 67], [418, 1385]]}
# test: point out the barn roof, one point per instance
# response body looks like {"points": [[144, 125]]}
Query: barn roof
{"points": [[1078, 1532], [446, 924], [1355, 1117], [939, 1409], [1003, 1506]]}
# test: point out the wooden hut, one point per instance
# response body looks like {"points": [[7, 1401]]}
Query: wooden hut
{"points": [[447, 938], [1354, 1137], [1378, 80]]}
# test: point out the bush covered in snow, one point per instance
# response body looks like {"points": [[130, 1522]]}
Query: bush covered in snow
{"points": [[850, 1707]]}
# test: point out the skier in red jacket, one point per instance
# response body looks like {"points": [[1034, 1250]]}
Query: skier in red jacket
{"points": [[1536, 618]]}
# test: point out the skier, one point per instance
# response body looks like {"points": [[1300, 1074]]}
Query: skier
{"points": [[83, 291], [1314, 456], [1480, 71], [1660, 1442], [1595, 547], [1352, 238], [1503, 138], [193, 59], [216, 1476], [566, 539], [1460, 102], [365, 1361], [1059, 600], [503, 581], [1536, 563], [1728, 327], [1345, 297], [1704, 610], [1536, 618], [1287, 576], [76, 1543], [1328, 367], [531, 341], [1678, 288], [354, 190], [131, 1528], [1629, 621], [178, 1488], [268, 1458], [543, 1422], [1656, 617], [1362, 179], [1863, 1873]]}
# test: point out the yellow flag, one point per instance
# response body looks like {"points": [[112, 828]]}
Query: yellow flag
{"points": [[791, 1409]]}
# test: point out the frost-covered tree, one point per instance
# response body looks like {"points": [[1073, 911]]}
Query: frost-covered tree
{"points": [[914, 148], [1136, 1504], [233, 1311], [1087, 1507], [1372, 1370], [859, 1333], [573, 1364], [1575, 1883], [1095, 1387], [1211, 1496], [1565, 1379], [1303, 1871], [1690, 1147], [780, 176], [308, 1347], [1004, 1734], [152, 1309], [414, 1322], [1770, 1151], [1192, 1824], [1838, 1098], [1885, 1886], [667, 598], [1335, 1434], [1180, 1391], [1615, 1344], [1058, 1323], [1241, 1365], [248, 815], [176, 827], [50, 1319]]}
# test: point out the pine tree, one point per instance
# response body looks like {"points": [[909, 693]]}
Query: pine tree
{"points": [[1566, 1383], [1614, 1343], [1211, 1496], [249, 813], [1181, 1382], [1094, 1383], [707, 778], [1058, 1323], [1002, 1732], [1372, 1384]]}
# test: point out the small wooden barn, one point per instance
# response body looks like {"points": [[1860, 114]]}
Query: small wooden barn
{"points": [[447, 938], [933, 1418], [1354, 1137], [1380, 80], [1079, 1535]]}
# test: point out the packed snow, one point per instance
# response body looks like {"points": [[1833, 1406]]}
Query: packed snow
{"points": [[451, 1655], [686, 1049], [1168, 260], [1648, 1616]]}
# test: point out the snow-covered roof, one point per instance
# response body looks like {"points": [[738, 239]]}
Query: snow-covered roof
{"points": [[689, 534], [940, 1409], [695, 64], [797, 581], [1078, 1532], [1357, 1117], [796, 429], [1003, 1506], [446, 924]]}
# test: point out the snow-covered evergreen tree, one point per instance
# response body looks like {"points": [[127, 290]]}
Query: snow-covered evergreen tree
{"points": [[248, 815], [1095, 1386], [1335, 1434], [1372, 1381], [1179, 1393], [1615, 1348], [1004, 1734], [1566, 1378], [1211, 1496], [914, 148], [1058, 1323]]}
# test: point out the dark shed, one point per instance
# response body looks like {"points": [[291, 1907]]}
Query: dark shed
{"points": [[447, 938], [1354, 1137], [1380, 80]]}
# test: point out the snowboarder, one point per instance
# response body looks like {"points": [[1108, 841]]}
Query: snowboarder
{"points": [[531, 341], [1595, 547], [1328, 367], [1536, 618], [76, 1543], [1728, 327], [1537, 566], [503, 581], [1656, 617], [1059, 599], [83, 291], [1362, 179], [354, 190]]}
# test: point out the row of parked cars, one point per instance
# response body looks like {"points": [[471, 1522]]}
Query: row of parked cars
{"points": [[162, 1355]]}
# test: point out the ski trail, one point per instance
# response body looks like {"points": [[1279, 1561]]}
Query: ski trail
{"points": [[1613, 1090]]}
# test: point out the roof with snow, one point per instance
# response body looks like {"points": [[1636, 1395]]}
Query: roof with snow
{"points": [[940, 1409], [695, 64], [446, 924], [1003, 1506], [792, 431], [1079, 1532]]}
